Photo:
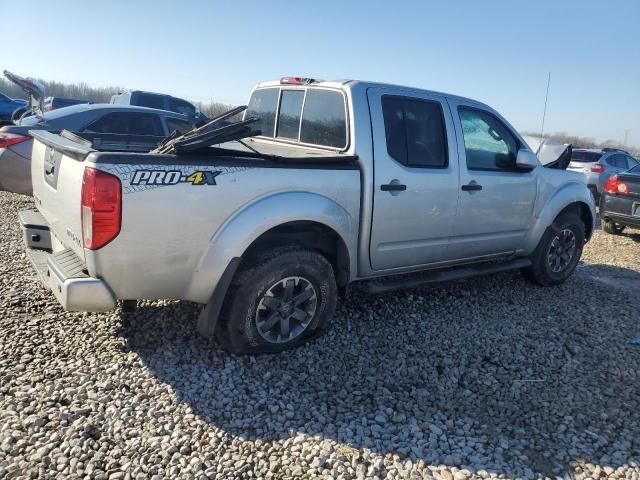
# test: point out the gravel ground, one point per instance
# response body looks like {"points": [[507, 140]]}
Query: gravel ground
{"points": [[486, 378]]}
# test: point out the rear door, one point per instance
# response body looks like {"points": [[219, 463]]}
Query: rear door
{"points": [[415, 178], [496, 198]]}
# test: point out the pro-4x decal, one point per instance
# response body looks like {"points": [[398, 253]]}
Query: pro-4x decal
{"points": [[138, 178], [173, 177]]}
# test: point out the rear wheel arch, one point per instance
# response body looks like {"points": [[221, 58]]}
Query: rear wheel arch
{"points": [[310, 234]]}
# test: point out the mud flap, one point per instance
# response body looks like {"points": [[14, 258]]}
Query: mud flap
{"points": [[208, 318]]}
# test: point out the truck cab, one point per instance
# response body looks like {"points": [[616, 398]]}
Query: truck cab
{"points": [[446, 179]]}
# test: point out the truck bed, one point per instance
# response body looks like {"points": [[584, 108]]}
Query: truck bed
{"points": [[174, 207]]}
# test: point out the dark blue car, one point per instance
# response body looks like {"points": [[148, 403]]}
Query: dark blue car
{"points": [[9, 105]]}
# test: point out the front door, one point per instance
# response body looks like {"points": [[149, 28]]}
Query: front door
{"points": [[496, 201], [415, 178]]}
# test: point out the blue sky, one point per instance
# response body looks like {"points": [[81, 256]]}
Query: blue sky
{"points": [[495, 51]]}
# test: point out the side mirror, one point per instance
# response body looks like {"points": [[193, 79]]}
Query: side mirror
{"points": [[526, 159]]}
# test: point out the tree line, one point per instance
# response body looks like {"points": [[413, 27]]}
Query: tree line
{"points": [[84, 91], [587, 142]]}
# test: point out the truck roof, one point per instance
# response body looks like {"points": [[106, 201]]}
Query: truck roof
{"points": [[363, 84]]}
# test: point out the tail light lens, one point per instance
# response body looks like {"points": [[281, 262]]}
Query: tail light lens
{"points": [[597, 168], [7, 139], [101, 208], [615, 185]]}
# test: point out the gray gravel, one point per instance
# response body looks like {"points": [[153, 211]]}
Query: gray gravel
{"points": [[484, 378]]}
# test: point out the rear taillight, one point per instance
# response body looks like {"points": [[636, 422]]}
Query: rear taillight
{"points": [[101, 208], [615, 185], [7, 139], [597, 168]]}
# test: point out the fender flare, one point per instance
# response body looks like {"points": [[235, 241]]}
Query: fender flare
{"points": [[218, 264], [570, 193]]}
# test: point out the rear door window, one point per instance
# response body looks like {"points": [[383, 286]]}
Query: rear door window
{"points": [[131, 123], [415, 131], [324, 119], [263, 104], [617, 161], [289, 114]]}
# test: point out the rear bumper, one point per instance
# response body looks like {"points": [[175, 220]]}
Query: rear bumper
{"points": [[625, 220], [63, 272], [620, 209]]}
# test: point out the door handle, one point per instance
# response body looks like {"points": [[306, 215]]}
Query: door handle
{"points": [[472, 187], [393, 187]]}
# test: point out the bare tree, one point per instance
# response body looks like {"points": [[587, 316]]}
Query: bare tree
{"points": [[84, 91], [587, 142]]}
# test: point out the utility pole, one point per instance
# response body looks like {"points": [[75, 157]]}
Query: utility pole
{"points": [[544, 112]]}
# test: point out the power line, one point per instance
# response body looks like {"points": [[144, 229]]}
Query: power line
{"points": [[544, 112]]}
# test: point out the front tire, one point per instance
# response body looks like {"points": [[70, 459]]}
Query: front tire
{"points": [[558, 252], [280, 299]]}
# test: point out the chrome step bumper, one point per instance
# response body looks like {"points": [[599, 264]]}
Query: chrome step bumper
{"points": [[63, 272]]}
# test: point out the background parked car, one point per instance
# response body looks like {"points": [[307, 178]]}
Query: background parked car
{"points": [[54, 103], [160, 101], [149, 124], [620, 202], [9, 105], [599, 165]]}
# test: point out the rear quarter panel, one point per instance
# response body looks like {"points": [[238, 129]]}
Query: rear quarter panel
{"points": [[176, 240]]}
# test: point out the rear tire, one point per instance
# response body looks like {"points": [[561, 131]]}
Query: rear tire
{"points": [[556, 256], [280, 299], [612, 228]]}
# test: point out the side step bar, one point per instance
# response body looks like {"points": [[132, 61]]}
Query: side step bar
{"points": [[416, 280]]}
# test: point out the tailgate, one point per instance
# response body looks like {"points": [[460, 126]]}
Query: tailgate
{"points": [[57, 168]]}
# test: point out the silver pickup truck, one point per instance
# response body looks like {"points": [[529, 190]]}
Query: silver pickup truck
{"points": [[348, 181]]}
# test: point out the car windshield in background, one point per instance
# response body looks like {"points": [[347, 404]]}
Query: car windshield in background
{"points": [[585, 157], [312, 116]]}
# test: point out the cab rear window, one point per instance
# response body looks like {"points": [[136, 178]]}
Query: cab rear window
{"points": [[585, 157], [310, 116]]}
